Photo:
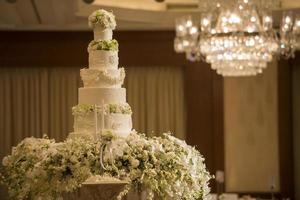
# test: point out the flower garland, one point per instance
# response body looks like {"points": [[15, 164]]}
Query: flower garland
{"points": [[102, 18], [106, 45], [165, 166], [112, 108], [91, 76]]}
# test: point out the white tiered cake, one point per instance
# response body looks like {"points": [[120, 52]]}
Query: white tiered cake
{"points": [[102, 84]]}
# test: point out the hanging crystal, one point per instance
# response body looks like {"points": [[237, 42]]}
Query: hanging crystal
{"points": [[237, 36]]}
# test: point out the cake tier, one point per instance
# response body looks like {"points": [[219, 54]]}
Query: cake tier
{"points": [[102, 34], [99, 95], [121, 123], [89, 136], [100, 59], [110, 78]]}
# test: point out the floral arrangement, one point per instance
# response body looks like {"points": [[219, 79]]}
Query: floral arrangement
{"points": [[102, 18], [90, 77], [112, 108], [106, 45], [164, 166]]}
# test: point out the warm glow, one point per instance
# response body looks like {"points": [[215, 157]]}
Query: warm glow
{"points": [[288, 19], [267, 19], [189, 23], [241, 41], [234, 18], [205, 22], [253, 19]]}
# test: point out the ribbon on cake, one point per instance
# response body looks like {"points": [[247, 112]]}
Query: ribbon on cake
{"points": [[96, 136]]}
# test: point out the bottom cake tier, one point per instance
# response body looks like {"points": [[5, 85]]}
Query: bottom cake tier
{"points": [[115, 122], [91, 119]]}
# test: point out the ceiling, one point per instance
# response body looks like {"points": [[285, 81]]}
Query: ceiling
{"points": [[71, 15]]}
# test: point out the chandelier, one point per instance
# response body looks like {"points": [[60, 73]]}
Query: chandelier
{"points": [[237, 36]]}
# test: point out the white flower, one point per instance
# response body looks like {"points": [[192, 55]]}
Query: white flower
{"points": [[5, 161], [135, 163], [103, 19], [164, 165], [116, 148]]}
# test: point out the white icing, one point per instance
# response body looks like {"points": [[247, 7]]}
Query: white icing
{"points": [[119, 123], [111, 78], [100, 59], [102, 34], [123, 134], [97, 95]]}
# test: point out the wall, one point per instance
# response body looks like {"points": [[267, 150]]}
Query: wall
{"points": [[296, 125], [251, 132]]}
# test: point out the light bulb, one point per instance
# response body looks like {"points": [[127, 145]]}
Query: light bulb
{"points": [[267, 19], [288, 19], [189, 23], [253, 19], [193, 30], [297, 23], [180, 28], [205, 22], [234, 18]]}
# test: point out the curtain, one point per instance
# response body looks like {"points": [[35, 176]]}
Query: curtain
{"points": [[156, 96], [34, 102]]}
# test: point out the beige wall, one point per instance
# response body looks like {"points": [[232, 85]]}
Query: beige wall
{"points": [[251, 135]]}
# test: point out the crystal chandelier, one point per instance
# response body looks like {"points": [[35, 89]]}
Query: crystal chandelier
{"points": [[237, 36]]}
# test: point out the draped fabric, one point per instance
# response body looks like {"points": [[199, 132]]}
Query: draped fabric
{"points": [[38, 101], [34, 102], [156, 96]]}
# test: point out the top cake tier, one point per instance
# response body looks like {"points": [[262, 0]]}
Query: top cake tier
{"points": [[103, 22]]}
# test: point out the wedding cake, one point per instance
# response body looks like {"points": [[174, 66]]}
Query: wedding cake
{"points": [[102, 100]]}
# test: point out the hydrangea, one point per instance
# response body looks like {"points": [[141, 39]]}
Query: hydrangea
{"points": [[106, 45], [112, 108], [103, 19], [163, 166]]}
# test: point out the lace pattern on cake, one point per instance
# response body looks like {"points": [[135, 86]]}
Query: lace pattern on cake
{"points": [[103, 59], [117, 122], [95, 77]]}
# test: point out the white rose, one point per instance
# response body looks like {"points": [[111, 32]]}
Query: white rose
{"points": [[5, 162], [135, 163]]}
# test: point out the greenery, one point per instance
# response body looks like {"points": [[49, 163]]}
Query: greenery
{"points": [[112, 108], [165, 166], [106, 45], [103, 19]]}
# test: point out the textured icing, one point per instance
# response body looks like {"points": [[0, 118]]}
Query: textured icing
{"points": [[100, 59], [111, 78], [116, 122]]}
